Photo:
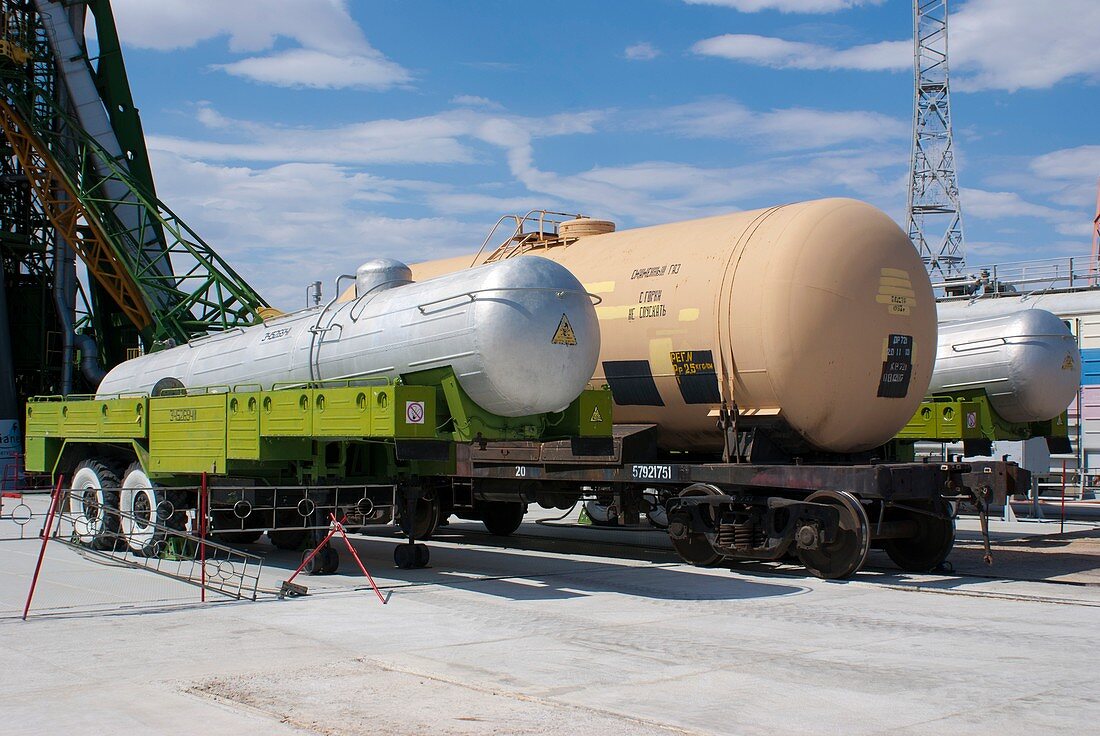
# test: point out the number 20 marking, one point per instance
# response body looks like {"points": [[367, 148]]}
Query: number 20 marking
{"points": [[521, 472]]}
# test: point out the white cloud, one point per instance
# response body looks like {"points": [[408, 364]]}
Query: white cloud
{"points": [[312, 215], [475, 101], [1008, 205], [436, 139], [988, 252], [662, 191], [785, 129], [318, 69], [292, 224], [999, 205], [333, 51], [644, 51], [1080, 163], [994, 44], [779, 53], [787, 6]]}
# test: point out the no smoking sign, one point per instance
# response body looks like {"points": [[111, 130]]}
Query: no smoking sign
{"points": [[414, 412]]}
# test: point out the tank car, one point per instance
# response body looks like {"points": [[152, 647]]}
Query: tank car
{"points": [[1026, 363], [814, 320], [521, 336]]}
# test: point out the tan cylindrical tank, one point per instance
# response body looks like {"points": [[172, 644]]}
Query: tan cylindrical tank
{"points": [[819, 314]]}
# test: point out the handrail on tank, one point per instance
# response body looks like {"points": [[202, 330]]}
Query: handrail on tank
{"points": [[472, 294], [996, 280], [518, 231], [353, 382], [1010, 340]]}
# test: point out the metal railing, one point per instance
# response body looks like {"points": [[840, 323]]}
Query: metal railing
{"points": [[545, 232], [1022, 277], [178, 554]]}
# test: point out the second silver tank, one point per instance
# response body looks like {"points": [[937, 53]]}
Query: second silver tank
{"points": [[521, 336], [1027, 363]]}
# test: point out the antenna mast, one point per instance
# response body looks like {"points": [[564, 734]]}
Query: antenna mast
{"points": [[935, 217]]}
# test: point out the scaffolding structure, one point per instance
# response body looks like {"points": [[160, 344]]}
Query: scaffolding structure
{"points": [[934, 213], [76, 188]]}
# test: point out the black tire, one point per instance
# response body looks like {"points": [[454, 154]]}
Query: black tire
{"points": [[502, 518], [427, 517], [93, 502], [153, 513], [288, 539], [325, 562], [404, 556]]}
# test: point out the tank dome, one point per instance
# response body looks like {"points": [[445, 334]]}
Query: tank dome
{"points": [[381, 273]]}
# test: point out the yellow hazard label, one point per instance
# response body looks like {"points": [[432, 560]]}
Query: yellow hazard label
{"points": [[895, 290], [564, 334], [1067, 364], [596, 417]]}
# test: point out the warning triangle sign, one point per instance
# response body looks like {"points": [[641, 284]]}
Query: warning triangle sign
{"points": [[564, 334], [596, 416]]}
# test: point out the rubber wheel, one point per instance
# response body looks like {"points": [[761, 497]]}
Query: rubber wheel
{"points": [[93, 504], [931, 545], [695, 548], [846, 554], [288, 539], [502, 518], [325, 562], [411, 556], [404, 556], [427, 517], [149, 513], [600, 514]]}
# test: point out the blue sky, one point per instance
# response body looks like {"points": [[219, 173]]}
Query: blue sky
{"points": [[301, 137]]}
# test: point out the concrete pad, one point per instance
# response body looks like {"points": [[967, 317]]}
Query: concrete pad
{"points": [[549, 633]]}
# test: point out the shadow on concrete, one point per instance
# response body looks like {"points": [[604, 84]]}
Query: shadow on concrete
{"points": [[541, 569]]}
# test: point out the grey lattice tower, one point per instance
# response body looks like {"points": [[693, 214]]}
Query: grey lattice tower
{"points": [[935, 217]]}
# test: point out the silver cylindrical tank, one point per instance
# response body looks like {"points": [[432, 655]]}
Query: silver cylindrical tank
{"points": [[521, 336], [1027, 363]]}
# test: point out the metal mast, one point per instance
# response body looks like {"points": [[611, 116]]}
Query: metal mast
{"points": [[935, 217]]}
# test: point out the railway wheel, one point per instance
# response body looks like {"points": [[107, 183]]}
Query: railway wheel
{"points": [[502, 518], [93, 503], [148, 512], [932, 543], [845, 555], [694, 547]]}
